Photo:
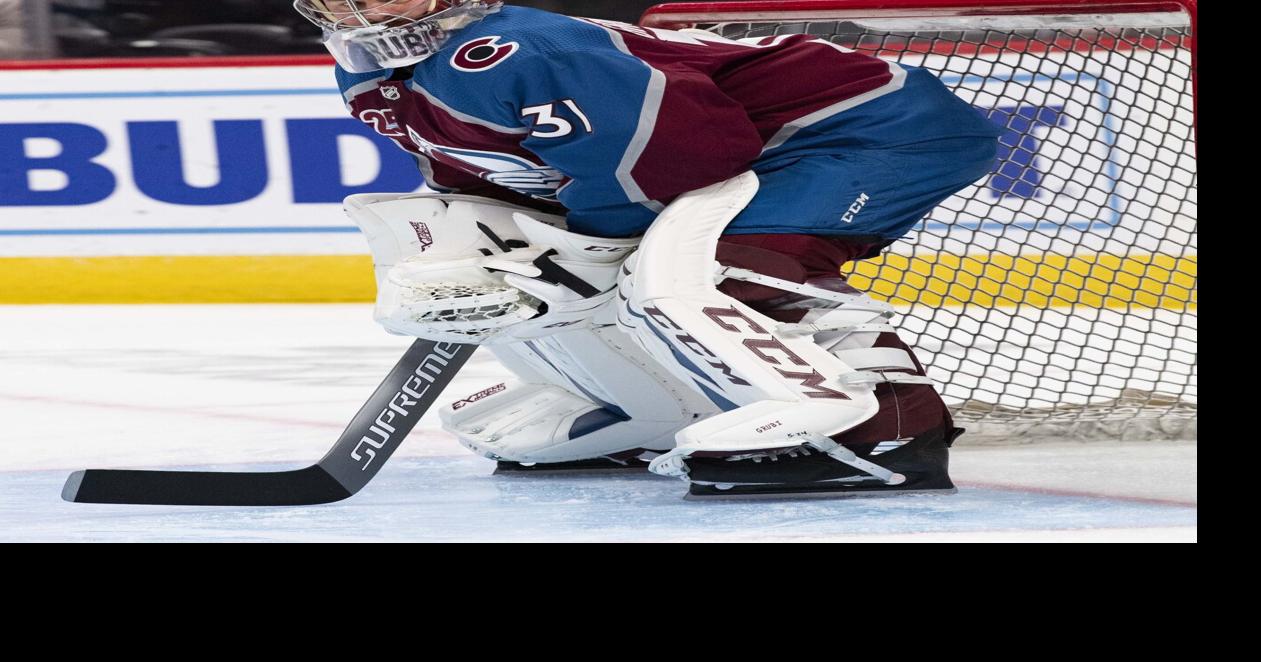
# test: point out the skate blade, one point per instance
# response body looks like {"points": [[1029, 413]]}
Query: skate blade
{"points": [[770, 494], [579, 468]]}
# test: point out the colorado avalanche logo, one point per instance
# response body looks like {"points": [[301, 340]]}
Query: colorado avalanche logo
{"points": [[482, 54], [507, 170]]}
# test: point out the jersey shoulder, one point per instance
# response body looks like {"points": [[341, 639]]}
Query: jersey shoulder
{"points": [[519, 37], [351, 84], [486, 69], [501, 45]]}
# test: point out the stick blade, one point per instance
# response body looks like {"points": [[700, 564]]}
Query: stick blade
{"points": [[304, 487], [411, 388]]}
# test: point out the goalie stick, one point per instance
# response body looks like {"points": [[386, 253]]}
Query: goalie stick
{"points": [[372, 436]]}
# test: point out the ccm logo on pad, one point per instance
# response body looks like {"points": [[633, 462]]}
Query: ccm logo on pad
{"points": [[773, 351]]}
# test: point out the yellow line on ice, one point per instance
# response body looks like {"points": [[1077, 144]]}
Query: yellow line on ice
{"points": [[1040, 281], [1150, 281]]}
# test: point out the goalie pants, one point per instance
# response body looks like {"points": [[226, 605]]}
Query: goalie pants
{"points": [[875, 170], [906, 410], [876, 194]]}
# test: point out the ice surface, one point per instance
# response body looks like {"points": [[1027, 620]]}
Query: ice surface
{"points": [[457, 498], [268, 387]]}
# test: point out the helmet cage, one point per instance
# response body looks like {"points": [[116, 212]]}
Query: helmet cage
{"points": [[384, 37]]}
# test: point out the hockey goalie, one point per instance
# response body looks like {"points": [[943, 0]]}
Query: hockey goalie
{"points": [[647, 227]]}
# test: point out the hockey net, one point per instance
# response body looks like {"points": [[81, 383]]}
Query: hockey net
{"points": [[1056, 298]]}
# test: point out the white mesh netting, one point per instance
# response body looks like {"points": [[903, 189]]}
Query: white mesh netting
{"points": [[1057, 297]]}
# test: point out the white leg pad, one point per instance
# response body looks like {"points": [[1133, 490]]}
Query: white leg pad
{"points": [[776, 388], [542, 423], [583, 394]]}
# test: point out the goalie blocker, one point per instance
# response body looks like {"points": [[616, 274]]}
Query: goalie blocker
{"points": [[464, 269]]}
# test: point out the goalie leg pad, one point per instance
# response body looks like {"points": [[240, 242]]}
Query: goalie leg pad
{"points": [[528, 422], [908, 437], [795, 373], [582, 395], [774, 388], [850, 325]]}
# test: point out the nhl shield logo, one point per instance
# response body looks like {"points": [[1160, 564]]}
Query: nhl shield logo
{"points": [[390, 93]]}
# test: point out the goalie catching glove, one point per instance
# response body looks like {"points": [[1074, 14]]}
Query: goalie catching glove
{"points": [[465, 269]]}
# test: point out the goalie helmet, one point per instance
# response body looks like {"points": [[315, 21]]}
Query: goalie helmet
{"points": [[369, 35]]}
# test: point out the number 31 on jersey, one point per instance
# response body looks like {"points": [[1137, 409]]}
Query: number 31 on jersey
{"points": [[547, 124]]}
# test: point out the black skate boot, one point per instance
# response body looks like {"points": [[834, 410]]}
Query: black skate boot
{"points": [[825, 469]]}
